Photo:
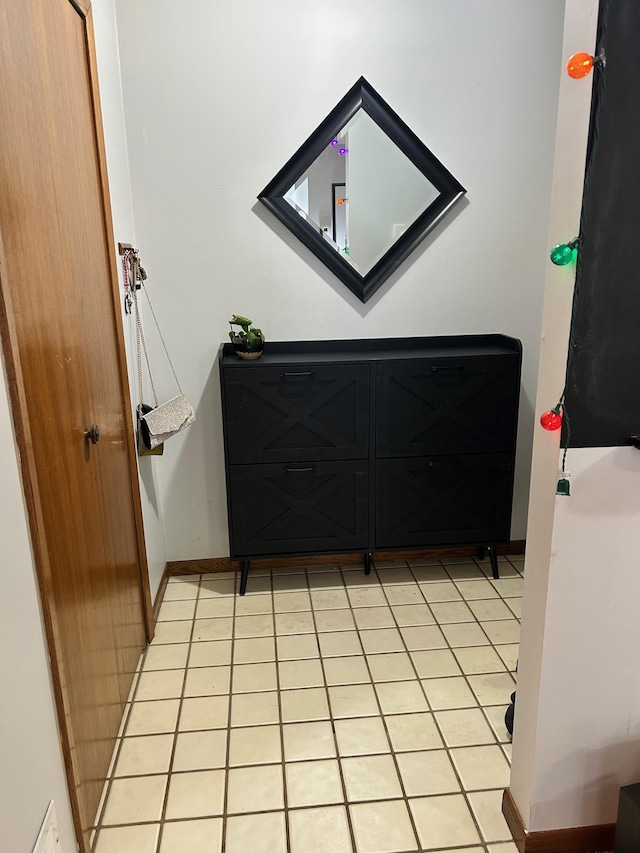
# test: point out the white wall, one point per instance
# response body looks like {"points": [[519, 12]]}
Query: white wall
{"points": [[32, 769], [577, 732], [108, 60], [588, 724], [219, 97]]}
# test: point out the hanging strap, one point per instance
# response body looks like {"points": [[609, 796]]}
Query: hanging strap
{"points": [[140, 340], [155, 320]]}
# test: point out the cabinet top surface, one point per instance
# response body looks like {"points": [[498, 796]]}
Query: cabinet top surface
{"points": [[372, 349]]}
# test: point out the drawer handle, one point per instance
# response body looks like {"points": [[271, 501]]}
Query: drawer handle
{"points": [[436, 367], [298, 373], [299, 470]]}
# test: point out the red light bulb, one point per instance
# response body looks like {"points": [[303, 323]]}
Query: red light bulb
{"points": [[579, 65], [551, 420]]}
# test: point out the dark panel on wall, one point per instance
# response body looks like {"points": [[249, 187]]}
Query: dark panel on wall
{"points": [[603, 377]]}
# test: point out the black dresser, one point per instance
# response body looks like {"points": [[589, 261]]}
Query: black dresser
{"points": [[370, 445]]}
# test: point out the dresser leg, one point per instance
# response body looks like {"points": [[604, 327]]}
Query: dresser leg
{"points": [[482, 552], [367, 562], [494, 561], [244, 576]]}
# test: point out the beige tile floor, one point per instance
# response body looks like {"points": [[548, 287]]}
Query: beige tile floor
{"points": [[324, 712]]}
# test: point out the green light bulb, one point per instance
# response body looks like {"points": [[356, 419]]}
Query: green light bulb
{"points": [[563, 253]]}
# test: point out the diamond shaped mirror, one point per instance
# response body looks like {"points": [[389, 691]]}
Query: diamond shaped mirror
{"points": [[362, 191]]}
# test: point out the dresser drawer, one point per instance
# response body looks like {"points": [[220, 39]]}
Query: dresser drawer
{"points": [[298, 508], [452, 499], [446, 405], [306, 411]]}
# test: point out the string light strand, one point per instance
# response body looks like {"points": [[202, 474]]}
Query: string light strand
{"points": [[599, 86]]}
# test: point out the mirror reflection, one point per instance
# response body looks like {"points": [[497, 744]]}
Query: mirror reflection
{"points": [[361, 193]]}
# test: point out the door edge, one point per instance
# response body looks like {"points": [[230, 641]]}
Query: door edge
{"points": [[145, 585]]}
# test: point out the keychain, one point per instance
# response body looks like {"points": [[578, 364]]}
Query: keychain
{"points": [[134, 275]]}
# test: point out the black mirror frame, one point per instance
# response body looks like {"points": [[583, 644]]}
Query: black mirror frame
{"points": [[362, 95]]}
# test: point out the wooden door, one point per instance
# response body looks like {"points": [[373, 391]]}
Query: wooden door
{"points": [[63, 342]]}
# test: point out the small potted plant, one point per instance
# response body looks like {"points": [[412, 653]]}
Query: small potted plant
{"points": [[248, 342]]}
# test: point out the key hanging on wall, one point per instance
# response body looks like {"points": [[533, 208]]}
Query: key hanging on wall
{"points": [[133, 273]]}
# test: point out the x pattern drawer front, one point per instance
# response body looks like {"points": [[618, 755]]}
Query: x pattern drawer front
{"points": [[453, 499], [299, 508], [465, 405], [316, 412]]}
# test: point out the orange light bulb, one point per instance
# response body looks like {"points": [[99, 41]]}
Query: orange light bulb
{"points": [[579, 65]]}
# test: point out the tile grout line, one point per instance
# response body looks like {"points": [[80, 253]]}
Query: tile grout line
{"points": [[165, 800], [141, 670], [480, 705], [227, 767], [344, 803], [351, 609], [283, 774], [104, 798], [511, 673], [419, 679], [351, 830], [431, 710], [405, 796], [456, 771]]}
